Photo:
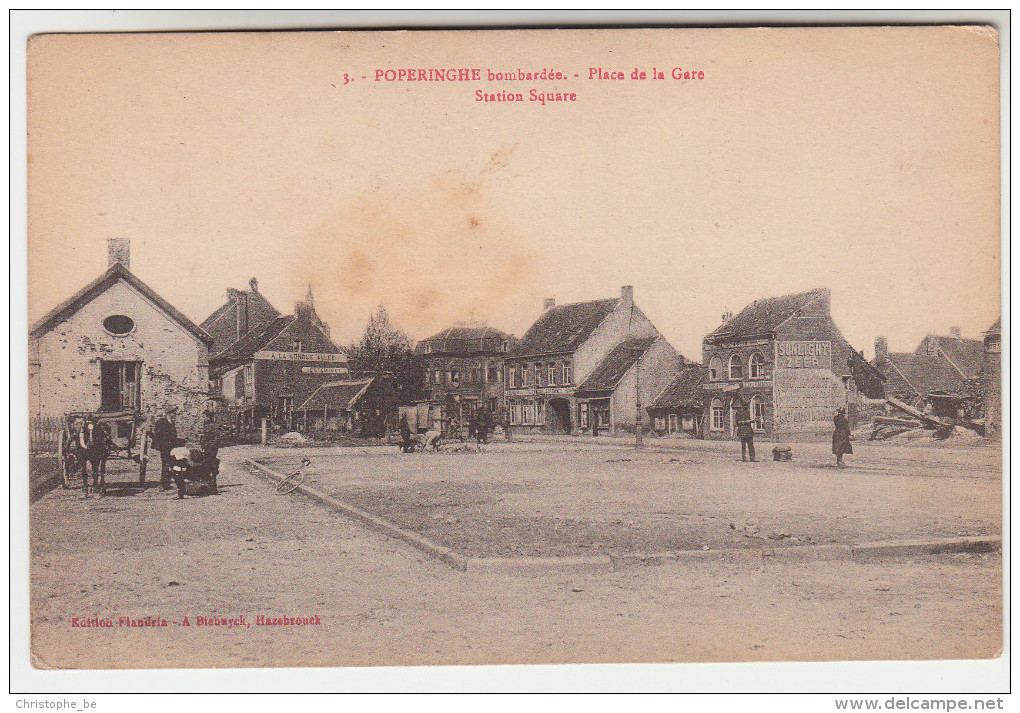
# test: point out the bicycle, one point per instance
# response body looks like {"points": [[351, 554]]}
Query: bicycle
{"points": [[295, 480]]}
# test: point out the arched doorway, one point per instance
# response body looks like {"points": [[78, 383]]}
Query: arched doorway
{"points": [[558, 416]]}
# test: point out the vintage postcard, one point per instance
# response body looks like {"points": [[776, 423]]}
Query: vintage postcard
{"points": [[599, 346]]}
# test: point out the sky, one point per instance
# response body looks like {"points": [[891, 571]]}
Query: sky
{"points": [[865, 160]]}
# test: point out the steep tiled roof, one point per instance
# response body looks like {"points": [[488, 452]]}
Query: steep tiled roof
{"points": [[897, 368], [336, 394], [765, 315], [615, 365], [255, 340], [85, 295], [464, 339], [967, 354], [222, 324], [956, 362], [684, 390], [257, 301], [564, 328]]}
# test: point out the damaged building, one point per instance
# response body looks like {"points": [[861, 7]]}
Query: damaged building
{"points": [[783, 358], [944, 376], [117, 346]]}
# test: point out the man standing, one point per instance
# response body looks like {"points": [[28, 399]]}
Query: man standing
{"points": [[508, 433], [841, 437], [745, 429], [164, 439], [405, 434]]}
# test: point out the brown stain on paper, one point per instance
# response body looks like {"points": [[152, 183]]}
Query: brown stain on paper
{"points": [[433, 255]]}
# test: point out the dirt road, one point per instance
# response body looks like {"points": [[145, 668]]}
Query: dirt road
{"points": [[250, 551], [581, 499]]}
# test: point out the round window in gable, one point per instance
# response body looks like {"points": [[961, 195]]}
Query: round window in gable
{"points": [[119, 324]]}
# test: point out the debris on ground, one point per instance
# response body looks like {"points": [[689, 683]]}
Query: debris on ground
{"points": [[946, 415], [292, 437]]}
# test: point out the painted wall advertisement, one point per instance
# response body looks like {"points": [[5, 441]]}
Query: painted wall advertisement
{"points": [[806, 392]]}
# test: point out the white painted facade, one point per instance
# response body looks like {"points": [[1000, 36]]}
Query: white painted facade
{"points": [[66, 360]]}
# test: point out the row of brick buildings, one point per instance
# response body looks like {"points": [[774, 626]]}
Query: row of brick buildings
{"points": [[584, 368]]}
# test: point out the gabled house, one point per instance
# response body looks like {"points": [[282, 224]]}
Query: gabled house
{"points": [[277, 366], [947, 365], [679, 409], [785, 359], [243, 312], [117, 346], [580, 367], [464, 370], [940, 365]]}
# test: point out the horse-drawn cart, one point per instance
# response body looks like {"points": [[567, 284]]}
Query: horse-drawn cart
{"points": [[128, 441]]}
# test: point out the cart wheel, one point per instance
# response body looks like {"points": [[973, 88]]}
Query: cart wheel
{"points": [[62, 457]]}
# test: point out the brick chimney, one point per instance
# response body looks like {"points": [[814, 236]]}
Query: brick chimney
{"points": [[727, 316], [549, 303], [881, 348], [118, 250], [954, 332], [254, 284], [627, 293]]}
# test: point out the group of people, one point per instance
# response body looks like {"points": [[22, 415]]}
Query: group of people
{"points": [[480, 426], [90, 444], [841, 445]]}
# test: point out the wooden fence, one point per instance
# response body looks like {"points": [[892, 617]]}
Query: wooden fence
{"points": [[44, 434]]}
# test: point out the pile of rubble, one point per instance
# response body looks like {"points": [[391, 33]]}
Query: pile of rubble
{"points": [[914, 423]]}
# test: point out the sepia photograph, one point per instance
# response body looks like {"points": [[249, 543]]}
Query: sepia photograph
{"points": [[504, 347]]}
